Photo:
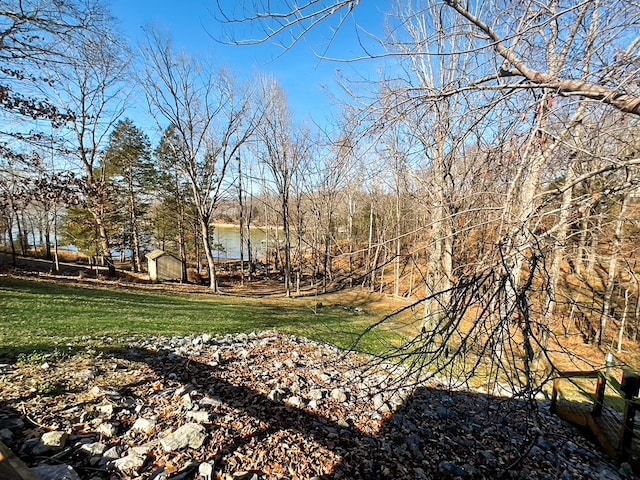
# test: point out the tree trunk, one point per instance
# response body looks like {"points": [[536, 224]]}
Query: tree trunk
{"points": [[287, 244], [11, 240], [559, 250], [182, 245], [613, 262], [623, 320], [351, 239], [133, 219], [205, 230], [103, 237], [370, 262], [241, 208]]}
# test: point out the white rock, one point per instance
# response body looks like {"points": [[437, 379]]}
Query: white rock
{"points": [[106, 410], [275, 395], [205, 470], [144, 425], [107, 429], [338, 395], [130, 463], [294, 401], [189, 435], [316, 394], [217, 357], [186, 400], [93, 449], [198, 416], [55, 439]]}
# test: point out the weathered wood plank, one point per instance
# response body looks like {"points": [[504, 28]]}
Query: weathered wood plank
{"points": [[11, 467]]}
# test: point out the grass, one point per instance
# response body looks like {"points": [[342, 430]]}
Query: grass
{"points": [[37, 315]]}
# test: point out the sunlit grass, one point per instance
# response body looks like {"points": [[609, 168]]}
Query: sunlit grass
{"points": [[44, 315]]}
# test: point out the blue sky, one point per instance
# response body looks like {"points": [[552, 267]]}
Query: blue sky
{"points": [[193, 27]]}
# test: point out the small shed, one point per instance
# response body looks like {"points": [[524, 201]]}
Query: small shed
{"points": [[163, 266]]}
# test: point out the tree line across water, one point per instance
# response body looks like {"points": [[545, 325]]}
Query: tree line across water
{"points": [[490, 172]]}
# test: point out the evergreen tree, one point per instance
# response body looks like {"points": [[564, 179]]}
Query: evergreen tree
{"points": [[128, 164]]}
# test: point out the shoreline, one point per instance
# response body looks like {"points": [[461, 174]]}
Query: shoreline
{"points": [[235, 225]]}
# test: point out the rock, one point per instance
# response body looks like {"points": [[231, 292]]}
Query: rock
{"points": [[110, 455], [378, 401], [294, 401], [206, 338], [55, 472], [339, 395], [184, 390], [198, 416], [488, 458], [107, 429], [452, 469], [420, 474], [217, 357], [186, 400], [607, 473], [625, 470], [190, 435], [105, 410], [316, 394], [131, 463], [12, 423], [144, 425], [574, 449], [413, 442], [55, 439], [6, 435], [275, 395], [93, 449], [442, 412], [536, 453], [205, 470]]}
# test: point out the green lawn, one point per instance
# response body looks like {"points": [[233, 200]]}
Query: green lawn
{"points": [[38, 315]]}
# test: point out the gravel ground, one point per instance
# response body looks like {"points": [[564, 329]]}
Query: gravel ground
{"points": [[270, 406]]}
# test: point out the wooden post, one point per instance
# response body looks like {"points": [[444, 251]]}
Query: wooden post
{"points": [[630, 386], [554, 395], [599, 402], [600, 387]]}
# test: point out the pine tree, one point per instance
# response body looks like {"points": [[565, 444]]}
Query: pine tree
{"points": [[128, 164]]}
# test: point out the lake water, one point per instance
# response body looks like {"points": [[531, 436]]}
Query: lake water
{"points": [[228, 237]]}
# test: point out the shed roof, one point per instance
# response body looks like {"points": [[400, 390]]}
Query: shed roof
{"points": [[155, 254]]}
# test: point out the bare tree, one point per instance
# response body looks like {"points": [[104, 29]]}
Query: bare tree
{"points": [[212, 119], [92, 87], [283, 150], [518, 88]]}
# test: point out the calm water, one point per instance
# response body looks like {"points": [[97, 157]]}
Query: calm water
{"points": [[228, 237]]}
